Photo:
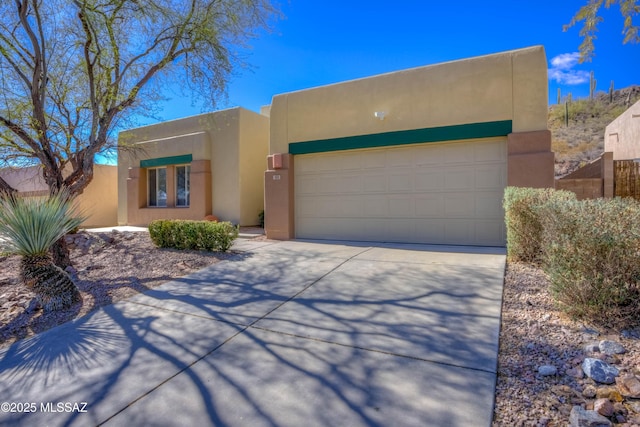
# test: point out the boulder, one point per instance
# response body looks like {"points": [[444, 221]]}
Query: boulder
{"points": [[580, 417], [599, 371], [611, 347]]}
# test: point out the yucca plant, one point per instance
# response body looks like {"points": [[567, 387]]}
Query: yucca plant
{"points": [[30, 226]]}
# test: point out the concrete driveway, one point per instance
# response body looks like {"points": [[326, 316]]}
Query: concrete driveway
{"points": [[284, 334]]}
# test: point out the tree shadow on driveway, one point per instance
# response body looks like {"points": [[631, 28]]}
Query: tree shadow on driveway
{"points": [[270, 341]]}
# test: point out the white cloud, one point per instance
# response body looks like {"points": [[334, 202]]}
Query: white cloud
{"points": [[565, 61], [562, 72]]}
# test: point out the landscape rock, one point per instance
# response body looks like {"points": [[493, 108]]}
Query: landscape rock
{"points": [[629, 386], [599, 371], [635, 406], [576, 372], [618, 408], [610, 393], [591, 348], [580, 417], [604, 407], [611, 347], [589, 392], [106, 238], [547, 370], [631, 334]]}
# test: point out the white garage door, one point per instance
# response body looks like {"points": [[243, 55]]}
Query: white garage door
{"points": [[442, 193]]}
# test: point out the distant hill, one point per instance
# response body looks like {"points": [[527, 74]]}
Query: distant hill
{"points": [[583, 139]]}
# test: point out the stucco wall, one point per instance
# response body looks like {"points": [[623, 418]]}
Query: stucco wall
{"points": [[27, 179], [622, 136], [218, 137], [100, 199], [505, 86], [225, 153], [254, 147]]}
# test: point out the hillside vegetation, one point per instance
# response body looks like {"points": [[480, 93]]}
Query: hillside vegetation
{"points": [[583, 139]]}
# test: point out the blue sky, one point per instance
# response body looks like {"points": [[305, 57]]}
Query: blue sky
{"points": [[323, 42]]}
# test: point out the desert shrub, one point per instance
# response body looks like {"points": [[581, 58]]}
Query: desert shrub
{"points": [[524, 229], [199, 235], [591, 254]]}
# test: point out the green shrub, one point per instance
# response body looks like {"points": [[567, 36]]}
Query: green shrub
{"points": [[199, 235], [524, 229], [261, 218], [591, 255]]}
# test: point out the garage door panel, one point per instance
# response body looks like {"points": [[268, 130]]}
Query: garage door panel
{"points": [[459, 231], [401, 183], [459, 154], [401, 207], [430, 230], [449, 193], [489, 177], [376, 207], [306, 185], [459, 179], [488, 205], [375, 184], [400, 158], [430, 206], [431, 180], [377, 160], [461, 205], [488, 230], [432, 157]]}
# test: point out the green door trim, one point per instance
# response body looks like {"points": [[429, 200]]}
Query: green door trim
{"points": [[404, 137], [165, 161]]}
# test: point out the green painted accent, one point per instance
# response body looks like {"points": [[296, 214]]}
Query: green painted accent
{"points": [[404, 137], [164, 161]]}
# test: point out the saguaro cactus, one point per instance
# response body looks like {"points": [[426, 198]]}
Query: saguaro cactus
{"points": [[592, 86], [611, 92]]}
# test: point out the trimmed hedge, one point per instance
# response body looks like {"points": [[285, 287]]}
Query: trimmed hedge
{"points": [[522, 219], [590, 253], [199, 235]]}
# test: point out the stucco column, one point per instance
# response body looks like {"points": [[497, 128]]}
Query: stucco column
{"points": [[200, 191], [133, 195], [530, 160], [279, 197]]}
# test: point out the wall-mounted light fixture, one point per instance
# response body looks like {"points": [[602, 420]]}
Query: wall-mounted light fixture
{"points": [[380, 115]]}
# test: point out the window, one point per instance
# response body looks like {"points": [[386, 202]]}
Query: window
{"points": [[157, 186], [182, 185]]}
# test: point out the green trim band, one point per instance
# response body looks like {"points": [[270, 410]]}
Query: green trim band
{"points": [[164, 161], [404, 137]]}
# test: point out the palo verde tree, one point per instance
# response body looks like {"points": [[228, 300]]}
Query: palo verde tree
{"points": [[590, 16], [72, 71]]}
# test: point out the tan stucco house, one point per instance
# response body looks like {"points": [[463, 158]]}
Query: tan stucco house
{"points": [[622, 136], [99, 201], [210, 164], [421, 155]]}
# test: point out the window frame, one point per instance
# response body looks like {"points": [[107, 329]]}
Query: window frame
{"points": [[187, 168], [157, 187]]}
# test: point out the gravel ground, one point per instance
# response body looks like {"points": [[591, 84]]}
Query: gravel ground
{"points": [[109, 267], [535, 333]]}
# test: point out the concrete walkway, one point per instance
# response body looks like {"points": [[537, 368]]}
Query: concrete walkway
{"points": [[284, 334]]}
